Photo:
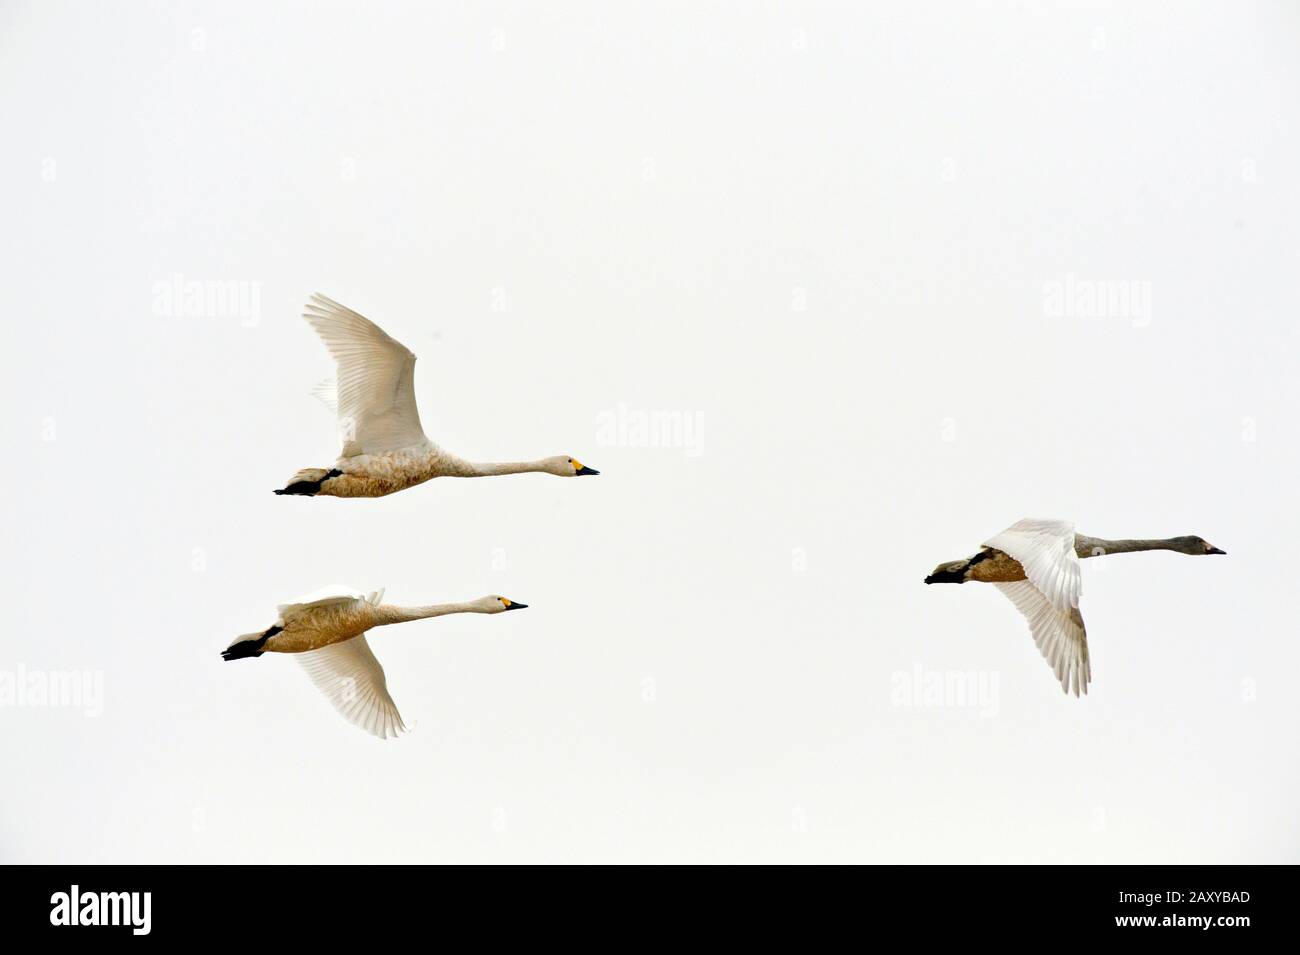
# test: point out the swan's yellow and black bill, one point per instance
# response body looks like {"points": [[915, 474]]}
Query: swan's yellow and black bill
{"points": [[580, 468], [512, 605]]}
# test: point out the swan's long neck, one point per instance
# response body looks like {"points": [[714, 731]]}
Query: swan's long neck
{"points": [[1098, 546], [387, 613], [505, 468], [458, 467]]}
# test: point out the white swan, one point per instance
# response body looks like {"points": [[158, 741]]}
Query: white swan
{"points": [[1036, 564], [384, 448], [325, 630]]}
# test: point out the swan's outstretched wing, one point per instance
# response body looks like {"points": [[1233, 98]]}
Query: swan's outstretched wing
{"points": [[325, 597], [353, 681], [1059, 634], [375, 392], [1045, 550]]}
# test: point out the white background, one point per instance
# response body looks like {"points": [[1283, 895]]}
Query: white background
{"points": [[824, 232]]}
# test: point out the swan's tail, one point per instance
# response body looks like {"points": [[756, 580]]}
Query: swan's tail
{"points": [[249, 645], [307, 482]]}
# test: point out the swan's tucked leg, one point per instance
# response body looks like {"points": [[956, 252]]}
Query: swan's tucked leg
{"points": [[307, 482], [249, 645]]}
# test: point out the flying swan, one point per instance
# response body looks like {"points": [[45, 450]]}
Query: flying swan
{"points": [[384, 447], [326, 629], [1036, 564]]}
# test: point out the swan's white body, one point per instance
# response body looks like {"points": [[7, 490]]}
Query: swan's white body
{"points": [[325, 630], [384, 447], [1035, 563]]}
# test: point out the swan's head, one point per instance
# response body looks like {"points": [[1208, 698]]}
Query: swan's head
{"points": [[495, 603], [566, 466], [953, 572], [1196, 546]]}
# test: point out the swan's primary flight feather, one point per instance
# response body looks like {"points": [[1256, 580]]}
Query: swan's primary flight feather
{"points": [[375, 387], [1059, 634], [353, 681], [1049, 597]]}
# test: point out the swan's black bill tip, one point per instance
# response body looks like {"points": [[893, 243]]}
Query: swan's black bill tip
{"points": [[586, 470], [1215, 550], [517, 606]]}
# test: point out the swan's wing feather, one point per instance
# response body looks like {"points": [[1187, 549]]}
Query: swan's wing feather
{"points": [[324, 597], [327, 390], [1059, 634], [1045, 549], [353, 681], [375, 390]]}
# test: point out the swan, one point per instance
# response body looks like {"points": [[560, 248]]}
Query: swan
{"points": [[326, 629], [1036, 564], [384, 447]]}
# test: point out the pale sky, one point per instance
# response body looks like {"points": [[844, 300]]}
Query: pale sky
{"points": [[830, 244]]}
